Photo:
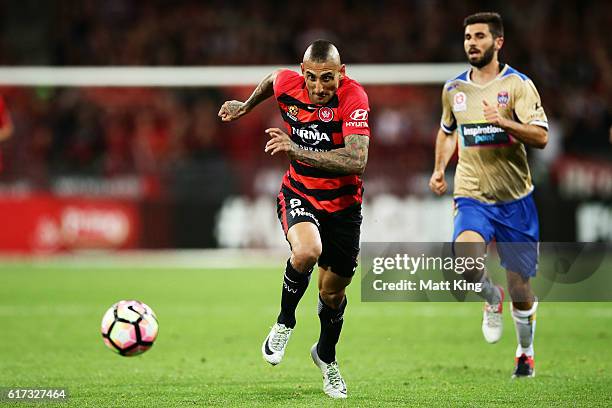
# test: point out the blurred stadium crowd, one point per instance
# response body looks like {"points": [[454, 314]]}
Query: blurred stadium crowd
{"points": [[565, 47]]}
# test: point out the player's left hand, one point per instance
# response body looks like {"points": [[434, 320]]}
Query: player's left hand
{"points": [[279, 142], [491, 114]]}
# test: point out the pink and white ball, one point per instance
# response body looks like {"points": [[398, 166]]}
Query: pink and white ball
{"points": [[129, 327]]}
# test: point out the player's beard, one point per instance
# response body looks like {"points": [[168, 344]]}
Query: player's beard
{"points": [[486, 58]]}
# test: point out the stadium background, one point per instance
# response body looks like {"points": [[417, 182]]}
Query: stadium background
{"points": [[159, 170]]}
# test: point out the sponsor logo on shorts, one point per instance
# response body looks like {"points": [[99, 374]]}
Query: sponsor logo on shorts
{"points": [[301, 212], [295, 202], [298, 211]]}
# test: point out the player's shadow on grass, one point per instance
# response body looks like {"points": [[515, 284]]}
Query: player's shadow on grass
{"points": [[282, 394]]}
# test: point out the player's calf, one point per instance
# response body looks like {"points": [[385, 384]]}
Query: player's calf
{"points": [[525, 324], [295, 284], [332, 303], [331, 320]]}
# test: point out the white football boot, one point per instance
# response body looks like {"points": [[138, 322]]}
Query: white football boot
{"points": [[492, 322], [273, 347], [333, 383]]}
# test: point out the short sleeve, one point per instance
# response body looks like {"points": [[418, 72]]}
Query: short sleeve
{"points": [[354, 110], [285, 80], [448, 123], [528, 106]]}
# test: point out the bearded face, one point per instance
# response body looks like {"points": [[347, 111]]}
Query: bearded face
{"points": [[479, 44], [478, 58]]}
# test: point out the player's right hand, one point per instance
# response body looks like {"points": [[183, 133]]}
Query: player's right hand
{"points": [[232, 110], [437, 183]]}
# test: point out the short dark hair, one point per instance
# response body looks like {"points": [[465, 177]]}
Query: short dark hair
{"points": [[492, 19], [320, 50]]}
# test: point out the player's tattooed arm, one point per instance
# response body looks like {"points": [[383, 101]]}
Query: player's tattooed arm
{"points": [[350, 159], [232, 110]]}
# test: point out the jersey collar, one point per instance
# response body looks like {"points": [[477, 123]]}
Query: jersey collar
{"points": [[502, 70]]}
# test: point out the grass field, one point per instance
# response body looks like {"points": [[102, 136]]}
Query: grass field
{"points": [[212, 322]]}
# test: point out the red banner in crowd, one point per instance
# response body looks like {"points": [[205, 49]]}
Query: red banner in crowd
{"points": [[42, 222]]}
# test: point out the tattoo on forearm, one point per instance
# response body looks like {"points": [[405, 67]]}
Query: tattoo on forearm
{"points": [[350, 159], [263, 91]]}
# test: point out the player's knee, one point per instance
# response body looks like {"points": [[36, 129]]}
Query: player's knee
{"points": [[332, 298], [521, 296], [304, 257], [469, 236], [522, 305], [470, 245]]}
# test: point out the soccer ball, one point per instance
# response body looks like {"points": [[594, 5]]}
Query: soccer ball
{"points": [[129, 327]]}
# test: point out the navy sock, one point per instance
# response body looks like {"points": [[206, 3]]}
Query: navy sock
{"points": [[331, 326], [294, 286]]}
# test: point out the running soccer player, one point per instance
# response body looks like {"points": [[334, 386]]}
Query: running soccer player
{"points": [[493, 111], [326, 138]]}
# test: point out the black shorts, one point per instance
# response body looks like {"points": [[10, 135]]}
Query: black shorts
{"points": [[339, 231]]}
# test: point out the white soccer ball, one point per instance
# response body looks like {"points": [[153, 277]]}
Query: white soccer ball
{"points": [[129, 327]]}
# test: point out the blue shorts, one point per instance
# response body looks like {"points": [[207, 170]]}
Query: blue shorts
{"points": [[514, 225]]}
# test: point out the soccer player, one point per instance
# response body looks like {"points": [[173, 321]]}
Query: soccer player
{"points": [[493, 111], [326, 138]]}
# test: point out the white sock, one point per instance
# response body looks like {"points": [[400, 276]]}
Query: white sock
{"points": [[525, 324]]}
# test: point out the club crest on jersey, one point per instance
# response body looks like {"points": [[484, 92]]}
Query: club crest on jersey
{"points": [[292, 112], [310, 135], [326, 114], [459, 102], [503, 98]]}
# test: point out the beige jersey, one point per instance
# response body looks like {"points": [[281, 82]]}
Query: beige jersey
{"points": [[492, 163]]}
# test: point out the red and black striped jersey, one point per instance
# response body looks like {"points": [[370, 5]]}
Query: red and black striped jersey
{"points": [[322, 128]]}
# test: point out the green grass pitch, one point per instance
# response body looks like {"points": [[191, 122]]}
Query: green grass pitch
{"points": [[212, 323]]}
